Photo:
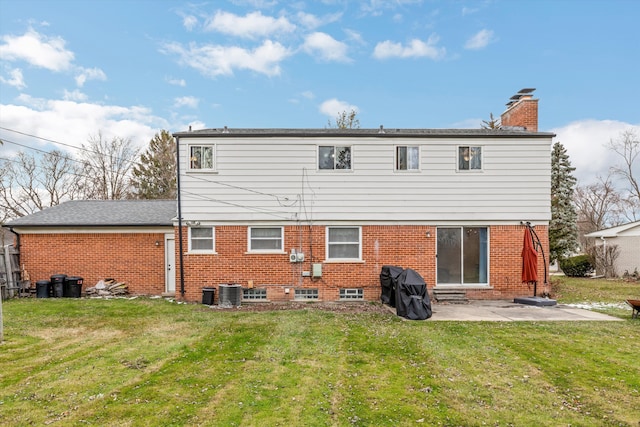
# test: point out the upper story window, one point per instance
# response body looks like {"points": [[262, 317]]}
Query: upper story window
{"points": [[407, 158], [344, 243], [334, 157], [201, 157], [469, 158], [202, 239], [265, 239]]}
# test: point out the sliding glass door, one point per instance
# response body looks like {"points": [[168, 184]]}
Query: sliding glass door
{"points": [[462, 256]]}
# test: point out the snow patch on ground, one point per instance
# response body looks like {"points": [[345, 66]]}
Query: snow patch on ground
{"points": [[598, 305]]}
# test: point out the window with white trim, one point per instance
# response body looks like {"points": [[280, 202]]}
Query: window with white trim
{"points": [[202, 239], [334, 157], [265, 239], [469, 158], [201, 157], [344, 243], [407, 157]]}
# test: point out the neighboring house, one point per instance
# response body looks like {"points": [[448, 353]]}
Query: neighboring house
{"points": [[627, 238], [314, 214], [128, 240]]}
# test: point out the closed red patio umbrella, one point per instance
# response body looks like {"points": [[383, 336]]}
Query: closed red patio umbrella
{"points": [[529, 259]]}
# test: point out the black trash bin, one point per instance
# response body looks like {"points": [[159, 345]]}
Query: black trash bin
{"points": [[57, 285], [43, 288], [208, 295], [73, 287]]}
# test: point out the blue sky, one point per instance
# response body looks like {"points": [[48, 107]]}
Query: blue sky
{"points": [[71, 69]]}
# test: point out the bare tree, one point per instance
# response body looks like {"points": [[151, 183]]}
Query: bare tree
{"points": [[29, 183], [627, 146], [107, 167], [346, 120]]}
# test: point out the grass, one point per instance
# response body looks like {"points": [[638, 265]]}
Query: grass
{"points": [[148, 362]]}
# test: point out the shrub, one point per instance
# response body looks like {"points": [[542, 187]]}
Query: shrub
{"points": [[576, 266]]}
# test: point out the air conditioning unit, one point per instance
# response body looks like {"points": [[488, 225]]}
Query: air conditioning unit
{"points": [[296, 256]]}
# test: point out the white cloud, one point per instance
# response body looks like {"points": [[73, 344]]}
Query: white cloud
{"points": [[308, 94], [16, 79], [252, 25], [177, 82], [84, 74], [333, 107], [187, 101], [38, 50], [75, 95], [415, 49], [325, 47], [216, 60], [189, 22], [72, 122], [312, 22], [480, 40], [586, 143]]}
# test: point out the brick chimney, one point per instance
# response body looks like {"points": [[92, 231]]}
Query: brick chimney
{"points": [[522, 111]]}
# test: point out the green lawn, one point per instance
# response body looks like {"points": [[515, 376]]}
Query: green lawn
{"points": [[148, 362]]}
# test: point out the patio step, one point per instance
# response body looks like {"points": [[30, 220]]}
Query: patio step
{"points": [[456, 296]]}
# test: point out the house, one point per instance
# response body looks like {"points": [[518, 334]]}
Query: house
{"points": [[314, 214], [627, 240], [128, 240]]}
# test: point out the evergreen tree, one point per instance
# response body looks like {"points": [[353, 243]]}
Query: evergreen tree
{"points": [[154, 176], [563, 230]]}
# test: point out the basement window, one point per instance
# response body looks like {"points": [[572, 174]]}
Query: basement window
{"points": [[306, 294], [352, 294], [254, 294]]}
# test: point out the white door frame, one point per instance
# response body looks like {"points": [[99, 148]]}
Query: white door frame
{"points": [[170, 264]]}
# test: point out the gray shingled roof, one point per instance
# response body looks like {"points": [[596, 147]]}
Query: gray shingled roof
{"points": [[378, 133], [121, 213]]}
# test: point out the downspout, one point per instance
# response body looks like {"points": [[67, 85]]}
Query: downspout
{"points": [[181, 256]]}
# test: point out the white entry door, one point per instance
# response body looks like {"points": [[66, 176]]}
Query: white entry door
{"points": [[170, 263]]}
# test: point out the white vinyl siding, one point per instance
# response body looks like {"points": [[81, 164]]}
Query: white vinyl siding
{"points": [[271, 180]]}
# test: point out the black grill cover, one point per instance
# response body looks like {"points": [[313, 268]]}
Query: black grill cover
{"points": [[388, 283], [412, 298]]}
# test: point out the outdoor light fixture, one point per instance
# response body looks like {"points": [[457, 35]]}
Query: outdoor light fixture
{"points": [[157, 242], [428, 234]]}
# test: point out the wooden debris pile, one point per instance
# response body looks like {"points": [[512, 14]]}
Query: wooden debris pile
{"points": [[108, 288]]}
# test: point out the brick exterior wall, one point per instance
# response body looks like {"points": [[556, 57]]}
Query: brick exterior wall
{"points": [[133, 258], [405, 246], [523, 113]]}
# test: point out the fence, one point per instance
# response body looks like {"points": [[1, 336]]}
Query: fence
{"points": [[10, 283]]}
